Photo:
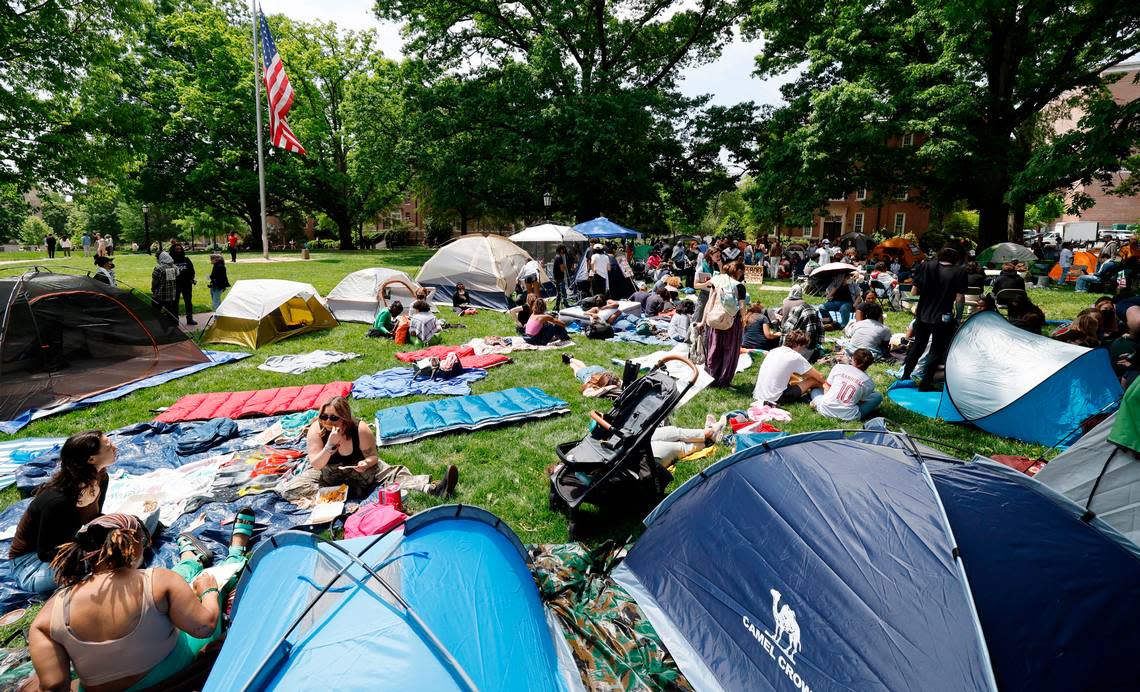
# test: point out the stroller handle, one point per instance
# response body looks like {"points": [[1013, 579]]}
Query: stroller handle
{"points": [[597, 417], [686, 361]]}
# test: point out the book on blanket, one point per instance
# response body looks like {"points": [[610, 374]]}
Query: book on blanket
{"points": [[329, 504], [224, 572]]}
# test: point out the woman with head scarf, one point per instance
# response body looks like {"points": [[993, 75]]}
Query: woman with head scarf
{"points": [[122, 627]]}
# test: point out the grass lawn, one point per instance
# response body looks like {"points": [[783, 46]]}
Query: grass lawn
{"points": [[500, 469]]}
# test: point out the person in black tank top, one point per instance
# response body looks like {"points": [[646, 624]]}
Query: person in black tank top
{"points": [[342, 450]]}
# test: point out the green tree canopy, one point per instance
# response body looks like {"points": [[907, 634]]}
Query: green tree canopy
{"points": [[970, 79]]}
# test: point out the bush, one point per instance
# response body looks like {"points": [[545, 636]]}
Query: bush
{"points": [[437, 233], [324, 244], [395, 237], [33, 230]]}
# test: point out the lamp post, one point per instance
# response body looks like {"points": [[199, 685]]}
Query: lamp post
{"points": [[547, 199], [146, 227]]}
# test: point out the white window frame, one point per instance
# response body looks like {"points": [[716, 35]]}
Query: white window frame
{"points": [[806, 230], [908, 139], [861, 194], [900, 222], [903, 196], [857, 222]]}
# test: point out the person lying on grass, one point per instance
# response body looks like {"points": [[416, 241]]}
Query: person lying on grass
{"points": [[122, 627], [849, 392], [342, 450]]}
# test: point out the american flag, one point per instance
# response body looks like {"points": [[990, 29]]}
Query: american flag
{"points": [[280, 93]]}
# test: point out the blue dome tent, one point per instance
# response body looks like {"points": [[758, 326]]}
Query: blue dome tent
{"points": [[602, 227], [1028, 387], [863, 560], [445, 602]]}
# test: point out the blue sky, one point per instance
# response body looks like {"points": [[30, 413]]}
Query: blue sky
{"points": [[728, 79]]}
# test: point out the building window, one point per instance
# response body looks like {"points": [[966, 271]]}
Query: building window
{"points": [[900, 223], [902, 195], [861, 194], [857, 225], [806, 230], [908, 139]]}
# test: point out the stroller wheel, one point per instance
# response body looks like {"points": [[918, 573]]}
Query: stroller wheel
{"points": [[556, 503]]}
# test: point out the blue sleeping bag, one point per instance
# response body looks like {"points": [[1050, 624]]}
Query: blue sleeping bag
{"points": [[401, 424]]}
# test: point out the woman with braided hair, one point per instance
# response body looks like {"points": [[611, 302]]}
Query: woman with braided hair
{"points": [[73, 497], [125, 628]]}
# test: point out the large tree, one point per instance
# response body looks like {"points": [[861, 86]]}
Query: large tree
{"points": [[588, 99], [973, 80], [59, 61], [329, 69]]}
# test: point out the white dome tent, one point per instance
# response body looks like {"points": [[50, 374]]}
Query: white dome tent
{"points": [[488, 266], [361, 294]]}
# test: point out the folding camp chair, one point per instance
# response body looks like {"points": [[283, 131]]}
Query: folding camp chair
{"points": [[1003, 296]]}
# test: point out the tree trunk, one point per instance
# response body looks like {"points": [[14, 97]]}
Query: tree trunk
{"points": [[463, 220], [1018, 224], [343, 229], [993, 222]]}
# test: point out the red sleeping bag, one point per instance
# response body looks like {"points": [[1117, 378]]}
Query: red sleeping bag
{"points": [[259, 402], [467, 357]]}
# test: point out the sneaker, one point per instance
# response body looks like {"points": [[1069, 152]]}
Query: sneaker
{"points": [[191, 322], [446, 485], [566, 359]]}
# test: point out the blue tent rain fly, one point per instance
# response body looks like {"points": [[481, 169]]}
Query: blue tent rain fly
{"points": [[1012, 383], [445, 603], [602, 227], [862, 560]]}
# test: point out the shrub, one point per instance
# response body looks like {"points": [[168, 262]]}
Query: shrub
{"points": [[437, 233], [395, 237]]}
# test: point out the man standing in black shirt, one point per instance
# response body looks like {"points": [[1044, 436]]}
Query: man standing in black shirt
{"points": [[559, 267], [941, 289]]}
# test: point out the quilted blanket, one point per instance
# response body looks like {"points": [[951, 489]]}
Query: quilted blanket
{"points": [[257, 402]]}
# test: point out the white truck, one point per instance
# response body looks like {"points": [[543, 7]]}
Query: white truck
{"points": [[1078, 231]]}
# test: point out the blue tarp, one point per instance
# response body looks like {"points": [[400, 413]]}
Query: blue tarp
{"points": [[933, 404], [635, 338], [15, 453], [401, 424], [852, 537], [398, 382], [602, 227], [478, 622], [144, 448], [216, 358], [821, 564]]}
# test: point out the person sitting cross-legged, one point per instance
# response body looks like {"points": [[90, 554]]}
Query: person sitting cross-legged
{"points": [[868, 331], [849, 392]]}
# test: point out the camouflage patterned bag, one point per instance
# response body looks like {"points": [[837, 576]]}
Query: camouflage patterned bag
{"points": [[614, 645]]}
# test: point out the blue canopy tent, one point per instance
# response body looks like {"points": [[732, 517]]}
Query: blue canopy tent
{"points": [[602, 227], [445, 602], [863, 560]]}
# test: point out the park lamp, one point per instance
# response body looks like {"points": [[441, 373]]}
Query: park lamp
{"points": [[547, 199]]}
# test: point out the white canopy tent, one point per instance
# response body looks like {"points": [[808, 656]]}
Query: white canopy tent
{"points": [[542, 241]]}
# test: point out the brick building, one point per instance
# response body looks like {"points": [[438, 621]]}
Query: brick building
{"points": [[1109, 209], [860, 212]]}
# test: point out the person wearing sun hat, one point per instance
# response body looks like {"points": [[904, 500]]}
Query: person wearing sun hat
{"points": [[106, 270]]}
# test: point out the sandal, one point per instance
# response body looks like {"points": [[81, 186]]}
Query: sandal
{"points": [[189, 543], [243, 523]]}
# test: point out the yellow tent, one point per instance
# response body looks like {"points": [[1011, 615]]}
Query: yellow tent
{"points": [[257, 312]]}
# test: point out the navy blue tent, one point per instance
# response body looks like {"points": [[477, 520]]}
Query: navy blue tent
{"points": [[602, 227], [446, 602], [862, 560]]}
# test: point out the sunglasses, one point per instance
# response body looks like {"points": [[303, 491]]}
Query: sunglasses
{"points": [[330, 417]]}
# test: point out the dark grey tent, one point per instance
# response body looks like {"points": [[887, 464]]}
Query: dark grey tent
{"points": [[1100, 476], [64, 338]]}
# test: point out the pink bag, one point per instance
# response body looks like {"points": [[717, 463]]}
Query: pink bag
{"points": [[372, 520]]}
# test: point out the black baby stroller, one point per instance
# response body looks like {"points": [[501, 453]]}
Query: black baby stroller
{"points": [[613, 466]]}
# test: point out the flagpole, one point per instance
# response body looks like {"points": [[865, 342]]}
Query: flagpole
{"points": [[260, 143]]}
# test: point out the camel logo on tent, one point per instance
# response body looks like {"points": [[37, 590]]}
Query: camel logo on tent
{"points": [[786, 623], [782, 642]]}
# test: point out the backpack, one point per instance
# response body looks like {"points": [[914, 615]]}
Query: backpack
{"points": [[400, 336], [599, 330], [722, 309], [372, 520]]}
